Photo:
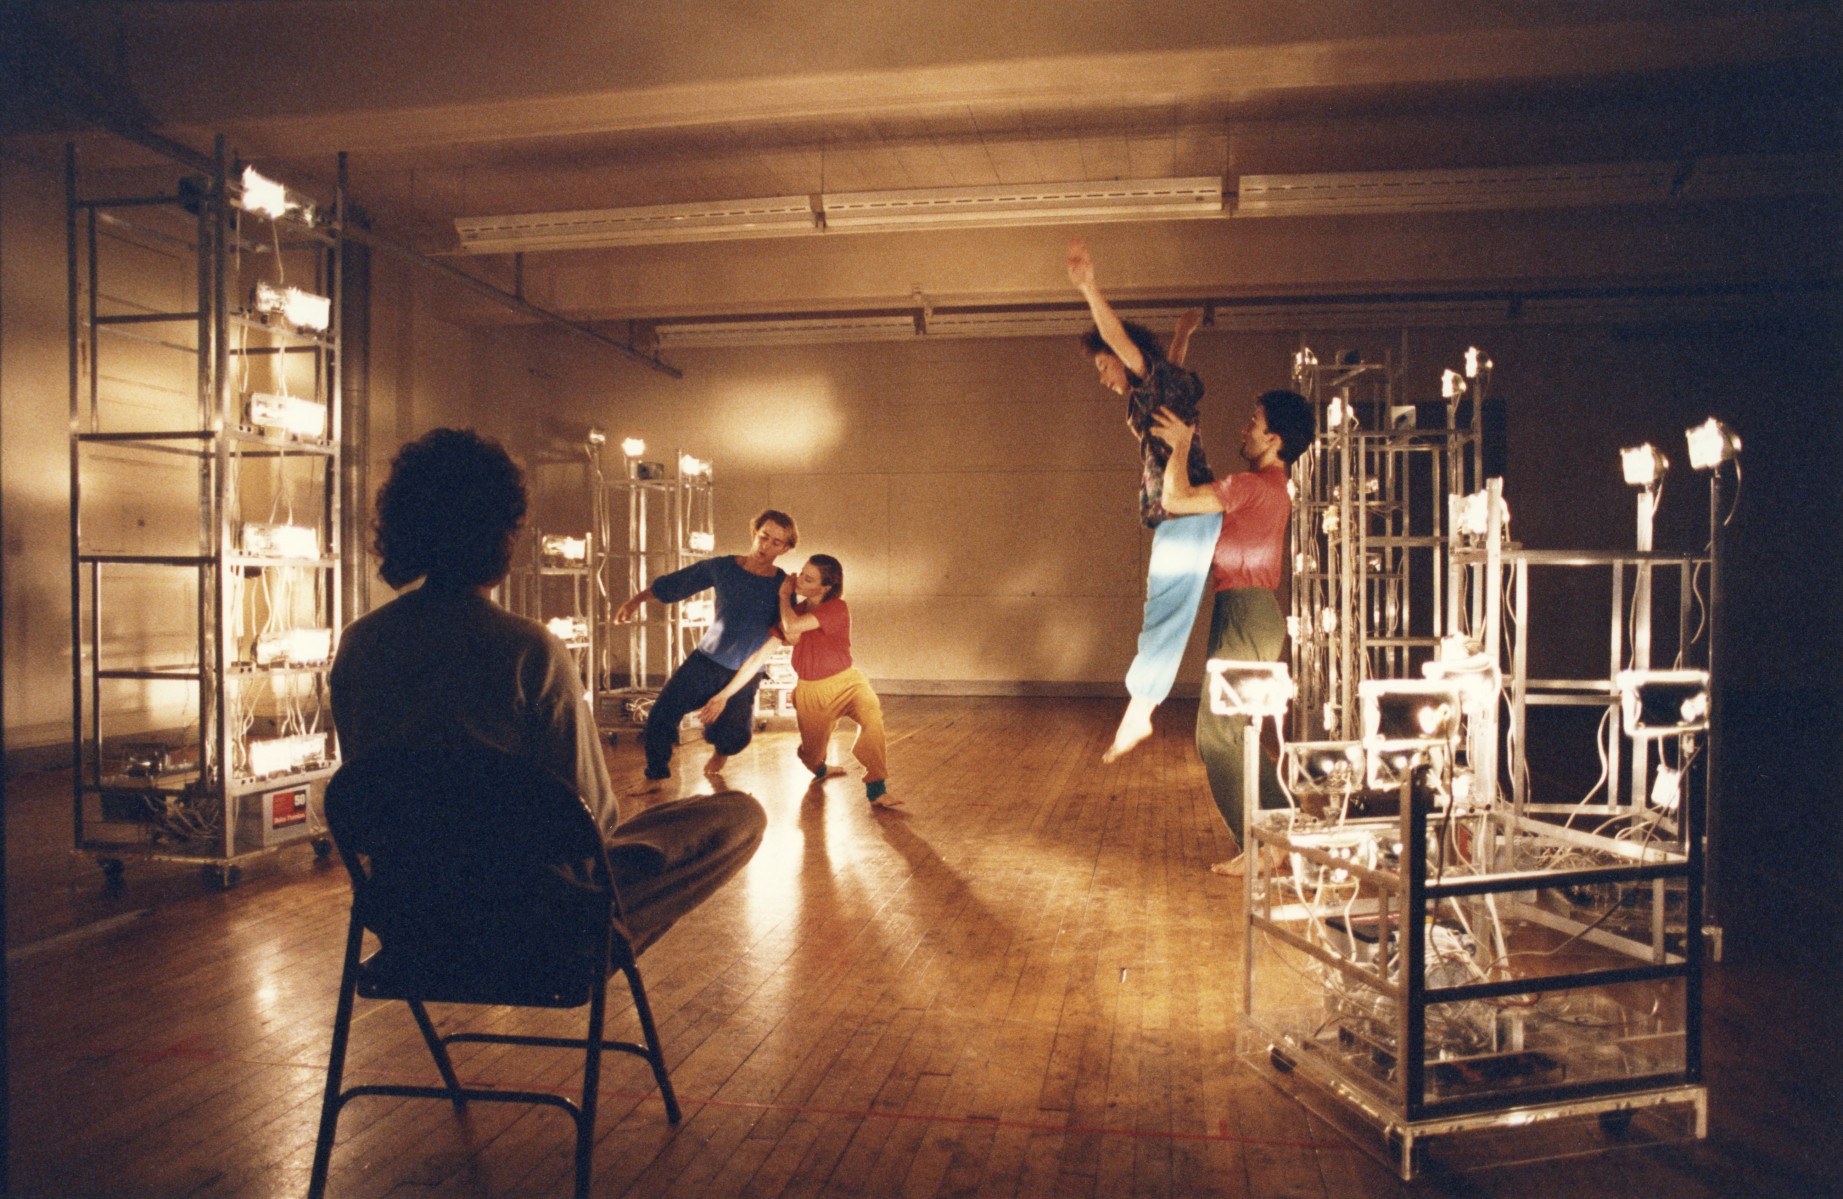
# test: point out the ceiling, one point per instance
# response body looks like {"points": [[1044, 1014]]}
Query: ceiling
{"points": [[459, 108]]}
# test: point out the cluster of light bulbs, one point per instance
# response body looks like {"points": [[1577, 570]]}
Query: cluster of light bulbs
{"points": [[1710, 443]]}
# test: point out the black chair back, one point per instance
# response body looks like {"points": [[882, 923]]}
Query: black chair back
{"points": [[483, 876]]}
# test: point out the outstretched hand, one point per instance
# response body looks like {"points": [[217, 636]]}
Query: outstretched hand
{"points": [[1080, 264]]}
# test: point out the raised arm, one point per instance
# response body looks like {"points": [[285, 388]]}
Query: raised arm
{"points": [[1081, 274], [1181, 496], [714, 708], [1180, 339], [793, 623]]}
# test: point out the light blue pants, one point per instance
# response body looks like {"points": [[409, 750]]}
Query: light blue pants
{"points": [[1182, 550]]}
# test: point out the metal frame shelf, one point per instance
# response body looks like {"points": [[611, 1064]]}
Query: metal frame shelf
{"points": [[205, 546]]}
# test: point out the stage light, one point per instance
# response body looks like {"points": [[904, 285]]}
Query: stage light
{"points": [[597, 437], [1711, 443], [691, 468], [633, 447], [571, 630], [1469, 669], [281, 541], [1475, 362], [1663, 703], [1248, 688], [1408, 711], [269, 198], [302, 309], [1323, 767], [291, 414], [1644, 466], [565, 548], [1452, 385], [1475, 516]]}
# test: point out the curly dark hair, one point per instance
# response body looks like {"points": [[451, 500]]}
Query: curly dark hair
{"points": [[1138, 334], [1290, 416], [449, 511]]}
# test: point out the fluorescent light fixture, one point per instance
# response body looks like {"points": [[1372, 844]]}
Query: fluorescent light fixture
{"points": [[1248, 688], [633, 447], [294, 415], [1323, 767], [657, 224], [1643, 465], [1455, 190], [787, 330], [302, 309], [1024, 204], [1663, 703], [1711, 443], [564, 548]]}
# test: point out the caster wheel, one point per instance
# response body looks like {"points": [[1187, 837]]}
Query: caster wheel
{"points": [[1281, 1061], [112, 871], [614, 738], [323, 848], [1616, 1123]]}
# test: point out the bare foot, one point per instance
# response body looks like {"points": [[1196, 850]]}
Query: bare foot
{"points": [[716, 764], [1231, 868], [1135, 726], [888, 799], [647, 786]]}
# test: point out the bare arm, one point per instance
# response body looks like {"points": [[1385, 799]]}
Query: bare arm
{"points": [[1180, 339], [748, 670], [793, 623], [1081, 274], [626, 611], [1181, 496]]}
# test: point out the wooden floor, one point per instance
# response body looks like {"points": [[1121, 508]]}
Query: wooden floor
{"points": [[1023, 983]]}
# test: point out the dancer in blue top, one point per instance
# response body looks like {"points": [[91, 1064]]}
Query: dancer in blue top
{"points": [[748, 603]]}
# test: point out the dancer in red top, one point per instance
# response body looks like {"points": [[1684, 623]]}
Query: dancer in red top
{"points": [[817, 623]]}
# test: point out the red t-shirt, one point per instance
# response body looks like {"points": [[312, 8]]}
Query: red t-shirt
{"points": [[823, 652], [1251, 549]]}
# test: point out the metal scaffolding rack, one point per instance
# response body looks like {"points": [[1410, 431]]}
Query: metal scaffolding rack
{"points": [[205, 514], [657, 518]]}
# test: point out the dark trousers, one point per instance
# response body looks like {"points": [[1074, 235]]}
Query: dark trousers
{"points": [[698, 678], [1246, 626], [671, 857]]}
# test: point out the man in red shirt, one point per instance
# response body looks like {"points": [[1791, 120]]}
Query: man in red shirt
{"points": [[1250, 561]]}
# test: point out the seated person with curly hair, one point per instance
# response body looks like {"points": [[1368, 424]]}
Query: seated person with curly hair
{"points": [[443, 665]]}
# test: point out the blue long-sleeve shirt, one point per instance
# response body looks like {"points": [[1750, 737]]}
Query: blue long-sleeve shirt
{"points": [[748, 605]]}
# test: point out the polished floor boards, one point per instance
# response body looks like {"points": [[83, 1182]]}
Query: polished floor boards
{"points": [[1022, 982]]}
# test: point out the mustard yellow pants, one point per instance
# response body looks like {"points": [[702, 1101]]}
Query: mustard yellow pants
{"points": [[818, 703]]}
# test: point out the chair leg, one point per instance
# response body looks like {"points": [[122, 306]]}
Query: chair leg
{"points": [[438, 1051], [591, 1088], [655, 1053], [336, 1063]]}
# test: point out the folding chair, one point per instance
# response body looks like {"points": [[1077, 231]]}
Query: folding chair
{"points": [[486, 882]]}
